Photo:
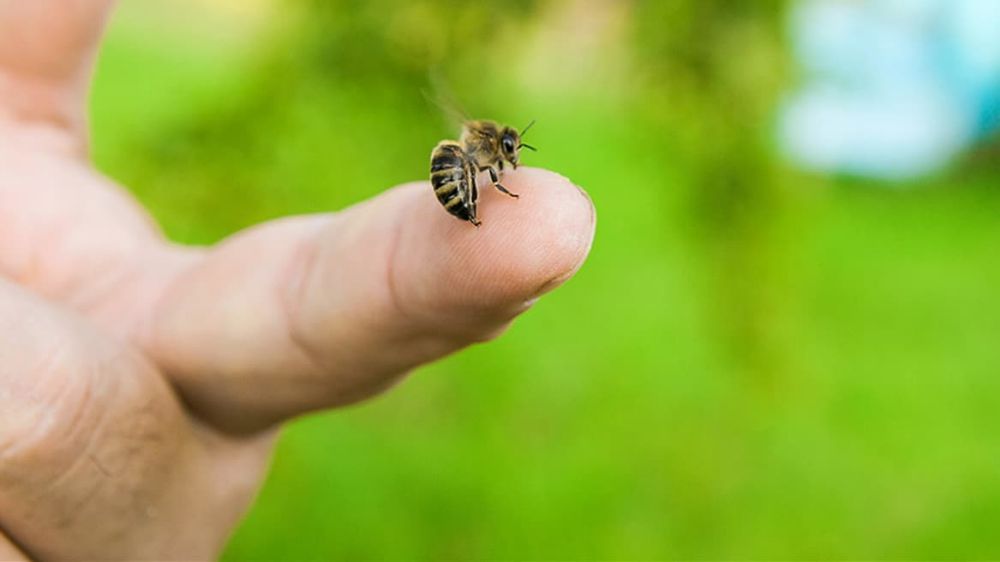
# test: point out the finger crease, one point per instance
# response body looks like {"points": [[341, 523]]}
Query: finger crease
{"points": [[395, 300], [305, 263]]}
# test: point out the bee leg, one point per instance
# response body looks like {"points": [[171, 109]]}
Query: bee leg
{"points": [[496, 182], [475, 222], [504, 189]]}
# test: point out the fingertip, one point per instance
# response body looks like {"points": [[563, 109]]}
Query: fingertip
{"points": [[548, 233], [525, 247]]}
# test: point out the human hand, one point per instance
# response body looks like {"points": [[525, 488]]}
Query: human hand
{"points": [[141, 381]]}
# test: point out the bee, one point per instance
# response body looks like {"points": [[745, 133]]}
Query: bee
{"points": [[484, 146]]}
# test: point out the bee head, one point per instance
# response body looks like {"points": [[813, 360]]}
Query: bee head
{"points": [[511, 145]]}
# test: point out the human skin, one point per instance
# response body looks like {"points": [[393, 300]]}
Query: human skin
{"points": [[142, 382]]}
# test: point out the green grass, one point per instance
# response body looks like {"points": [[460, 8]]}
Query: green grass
{"points": [[818, 382]]}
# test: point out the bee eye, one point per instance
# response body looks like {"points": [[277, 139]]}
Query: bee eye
{"points": [[508, 144]]}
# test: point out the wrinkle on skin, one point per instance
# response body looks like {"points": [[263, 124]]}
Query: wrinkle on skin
{"points": [[117, 443], [10, 552]]}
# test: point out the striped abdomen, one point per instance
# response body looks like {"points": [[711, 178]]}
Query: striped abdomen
{"points": [[453, 177]]}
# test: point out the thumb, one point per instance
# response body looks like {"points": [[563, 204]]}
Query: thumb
{"points": [[315, 312]]}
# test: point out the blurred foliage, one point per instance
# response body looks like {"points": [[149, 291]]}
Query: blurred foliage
{"points": [[752, 364], [715, 76]]}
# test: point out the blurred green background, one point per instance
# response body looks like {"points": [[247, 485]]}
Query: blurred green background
{"points": [[754, 362]]}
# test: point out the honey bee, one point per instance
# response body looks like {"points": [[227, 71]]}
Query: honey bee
{"points": [[484, 146]]}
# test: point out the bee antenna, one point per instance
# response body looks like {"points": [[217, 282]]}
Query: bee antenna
{"points": [[525, 130], [529, 147]]}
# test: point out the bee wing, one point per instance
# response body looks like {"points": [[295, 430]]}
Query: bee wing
{"points": [[442, 97]]}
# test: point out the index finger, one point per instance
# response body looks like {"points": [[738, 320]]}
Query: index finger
{"points": [[46, 52]]}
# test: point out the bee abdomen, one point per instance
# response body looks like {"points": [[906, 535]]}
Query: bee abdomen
{"points": [[453, 181]]}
